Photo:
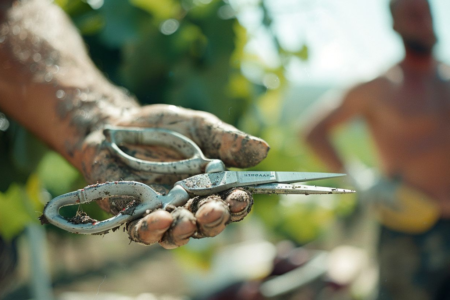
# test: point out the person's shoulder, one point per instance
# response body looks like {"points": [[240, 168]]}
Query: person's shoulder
{"points": [[381, 81], [371, 86], [392, 76], [444, 72], [364, 94]]}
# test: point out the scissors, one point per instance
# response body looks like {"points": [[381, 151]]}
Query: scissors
{"points": [[212, 178]]}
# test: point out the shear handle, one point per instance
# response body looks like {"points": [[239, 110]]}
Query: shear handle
{"points": [[147, 196], [149, 200], [195, 163]]}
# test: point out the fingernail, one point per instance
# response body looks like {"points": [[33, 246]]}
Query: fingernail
{"points": [[214, 223], [211, 214], [237, 206], [238, 201]]}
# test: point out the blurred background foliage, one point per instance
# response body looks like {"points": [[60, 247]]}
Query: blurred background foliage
{"points": [[189, 53]]}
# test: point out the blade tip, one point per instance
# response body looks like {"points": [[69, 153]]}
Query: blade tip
{"points": [[344, 191], [338, 174]]}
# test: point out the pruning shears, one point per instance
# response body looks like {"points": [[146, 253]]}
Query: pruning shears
{"points": [[212, 178]]}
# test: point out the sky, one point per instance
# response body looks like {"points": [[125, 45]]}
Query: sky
{"points": [[348, 40]]}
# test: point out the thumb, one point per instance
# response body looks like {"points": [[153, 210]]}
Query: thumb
{"points": [[216, 138], [234, 147]]}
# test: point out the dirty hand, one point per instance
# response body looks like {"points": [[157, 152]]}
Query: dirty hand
{"points": [[201, 216]]}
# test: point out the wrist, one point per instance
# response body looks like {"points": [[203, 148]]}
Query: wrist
{"points": [[88, 111], [91, 109]]}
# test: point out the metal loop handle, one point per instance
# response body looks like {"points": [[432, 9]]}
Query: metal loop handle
{"points": [[195, 163], [149, 199]]}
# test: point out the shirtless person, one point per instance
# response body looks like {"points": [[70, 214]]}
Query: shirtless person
{"points": [[407, 112], [49, 85]]}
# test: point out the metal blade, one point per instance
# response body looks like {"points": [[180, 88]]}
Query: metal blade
{"points": [[277, 188], [255, 177], [210, 183]]}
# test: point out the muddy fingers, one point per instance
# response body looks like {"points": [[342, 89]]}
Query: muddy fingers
{"points": [[212, 215], [200, 217], [216, 138], [151, 228], [240, 203], [224, 141], [181, 229], [214, 212]]}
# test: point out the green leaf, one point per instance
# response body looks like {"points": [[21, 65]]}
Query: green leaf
{"points": [[57, 175], [191, 259], [161, 10], [303, 54], [34, 194], [14, 214], [122, 23], [27, 149], [74, 7], [90, 23]]}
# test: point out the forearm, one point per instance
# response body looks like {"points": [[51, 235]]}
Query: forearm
{"points": [[47, 81], [318, 139]]}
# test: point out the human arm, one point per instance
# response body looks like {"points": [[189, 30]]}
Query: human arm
{"points": [[49, 84], [327, 116]]}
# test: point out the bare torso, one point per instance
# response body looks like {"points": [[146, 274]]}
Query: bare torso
{"points": [[409, 118]]}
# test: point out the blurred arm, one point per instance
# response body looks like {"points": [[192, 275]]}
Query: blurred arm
{"points": [[47, 81], [318, 133]]}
